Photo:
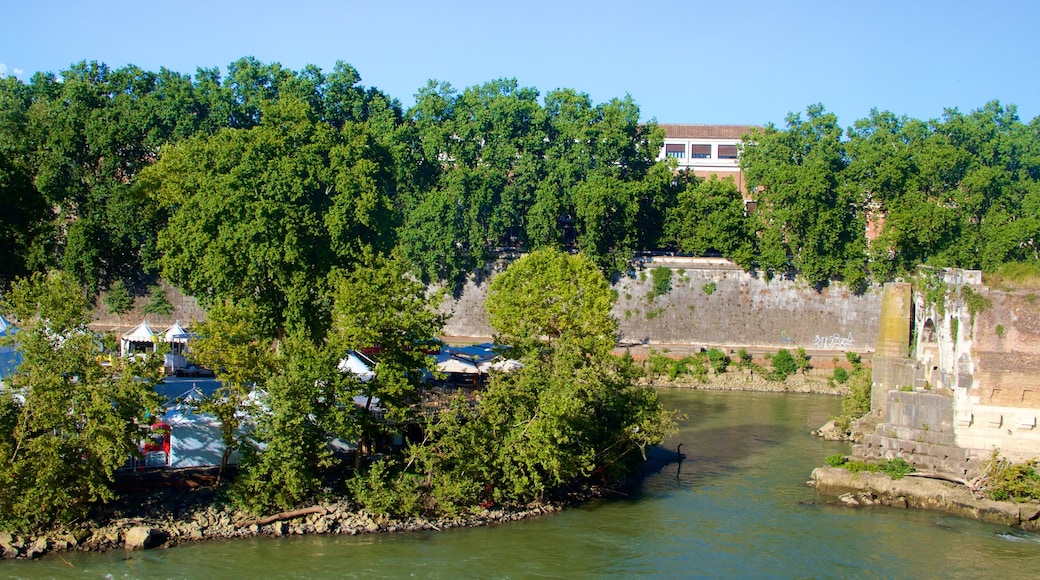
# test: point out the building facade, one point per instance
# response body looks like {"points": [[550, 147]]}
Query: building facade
{"points": [[706, 150]]}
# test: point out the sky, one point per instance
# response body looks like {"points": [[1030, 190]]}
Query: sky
{"points": [[685, 61]]}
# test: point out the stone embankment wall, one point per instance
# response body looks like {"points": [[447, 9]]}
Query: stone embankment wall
{"points": [[713, 302]]}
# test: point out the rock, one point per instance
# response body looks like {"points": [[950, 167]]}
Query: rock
{"points": [[38, 548], [142, 538], [279, 528]]}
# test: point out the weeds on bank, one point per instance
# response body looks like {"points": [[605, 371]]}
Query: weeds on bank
{"points": [[1006, 481], [895, 468]]}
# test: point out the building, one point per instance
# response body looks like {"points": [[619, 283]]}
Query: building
{"points": [[706, 149]]}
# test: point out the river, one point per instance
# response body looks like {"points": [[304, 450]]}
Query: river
{"points": [[736, 507]]}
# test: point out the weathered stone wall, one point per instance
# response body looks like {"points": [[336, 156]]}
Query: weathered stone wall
{"points": [[714, 302], [975, 380]]}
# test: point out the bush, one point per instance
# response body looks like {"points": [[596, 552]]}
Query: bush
{"points": [[1006, 481], [895, 468], [784, 364], [662, 278], [709, 288], [719, 360], [841, 376]]}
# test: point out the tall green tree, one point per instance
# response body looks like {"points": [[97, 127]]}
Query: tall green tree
{"points": [[66, 422], [548, 297], [306, 401], [710, 216], [231, 342], [813, 222], [264, 215]]}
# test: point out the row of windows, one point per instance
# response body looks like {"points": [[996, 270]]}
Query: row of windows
{"points": [[678, 151]]}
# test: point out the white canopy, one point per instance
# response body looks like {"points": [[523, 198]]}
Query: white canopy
{"points": [[177, 333], [142, 333], [451, 364]]}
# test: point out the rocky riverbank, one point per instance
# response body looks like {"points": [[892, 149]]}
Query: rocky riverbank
{"points": [[866, 489], [165, 530], [746, 381]]}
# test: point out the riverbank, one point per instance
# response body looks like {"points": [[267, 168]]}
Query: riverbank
{"points": [[865, 489], [162, 525], [743, 380]]}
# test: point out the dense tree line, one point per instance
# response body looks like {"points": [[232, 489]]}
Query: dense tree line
{"points": [[126, 175]]}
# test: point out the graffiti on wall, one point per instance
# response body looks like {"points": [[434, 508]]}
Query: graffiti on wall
{"points": [[833, 342]]}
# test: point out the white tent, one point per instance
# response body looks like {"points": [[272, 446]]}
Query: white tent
{"points": [[450, 364], [141, 338]]}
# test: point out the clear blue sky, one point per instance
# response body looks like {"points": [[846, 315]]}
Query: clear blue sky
{"points": [[685, 61]]}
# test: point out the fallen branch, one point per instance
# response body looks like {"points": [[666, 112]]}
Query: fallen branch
{"points": [[939, 476], [283, 516]]}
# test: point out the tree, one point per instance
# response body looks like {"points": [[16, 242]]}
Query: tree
{"points": [[157, 302], [308, 401], [118, 300], [232, 344], [811, 222], [709, 216], [380, 307], [571, 414], [548, 297], [264, 215], [66, 422]]}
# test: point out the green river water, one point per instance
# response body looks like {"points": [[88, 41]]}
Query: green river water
{"points": [[737, 507]]}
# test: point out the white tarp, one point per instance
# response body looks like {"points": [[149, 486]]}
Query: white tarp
{"points": [[354, 365]]}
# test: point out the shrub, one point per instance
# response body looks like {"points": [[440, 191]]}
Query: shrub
{"points": [[662, 278], [841, 376], [895, 468], [784, 364], [719, 360], [709, 288], [1006, 481]]}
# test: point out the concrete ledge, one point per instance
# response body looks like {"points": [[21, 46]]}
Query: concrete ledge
{"points": [[916, 492]]}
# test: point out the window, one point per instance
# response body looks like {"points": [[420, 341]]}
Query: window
{"points": [[676, 151], [727, 151], [701, 152]]}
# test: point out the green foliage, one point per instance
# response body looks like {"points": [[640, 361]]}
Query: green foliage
{"points": [[744, 357], [709, 288], [896, 468], [380, 305], [808, 217], [549, 297], [840, 376], [232, 344], [1000, 331], [1007, 481], [66, 422], [675, 368], [662, 277], [383, 489], [118, 300], [719, 360], [856, 402], [266, 214], [975, 302], [709, 216], [157, 302], [784, 365], [801, 360], [558, 421], [307, 401]]}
